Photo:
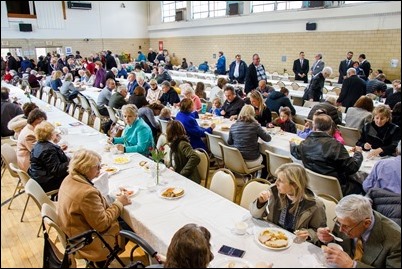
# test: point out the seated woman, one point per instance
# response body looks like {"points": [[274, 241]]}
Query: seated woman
{"points": [[138, 97], [18, 123], [67, 89], [284, 121], [360, 114], [262, 112], [87, 79], [55, 81], [188, 92], [154, 93], [27, 139], [48, 161], [381, 136], [137, 135], [244, 134], [184, 158], [194, 131], [82, 207], [190, 248], [291, 204]]}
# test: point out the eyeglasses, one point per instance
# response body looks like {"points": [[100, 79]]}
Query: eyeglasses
{"points": [[98, 166], [345, 227]]}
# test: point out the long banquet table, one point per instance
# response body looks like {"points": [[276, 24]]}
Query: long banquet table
{"points": [[156, 219]]}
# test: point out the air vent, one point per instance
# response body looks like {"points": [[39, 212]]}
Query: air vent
{"points": [[180, 14], [79, 5], [234, 9]]}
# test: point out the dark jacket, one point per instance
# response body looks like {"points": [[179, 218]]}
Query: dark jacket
{"points": [[232, 108], [277, 99], [48, 165], [314, 90], [170, 97], [117, 100], [322, 154], [385, 137], [251, 82], [393, 99], [352, 88], [242, 71], [332, 111], [387, 203], [138, 100], [186, 161], [265, 117]]}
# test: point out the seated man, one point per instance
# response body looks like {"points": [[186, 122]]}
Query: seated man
{"points": [[386, 174], [324, 155], [369, 238], [233, 104]]}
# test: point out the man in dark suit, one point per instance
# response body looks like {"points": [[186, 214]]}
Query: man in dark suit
{"points": [[352, 88], [255, 73], [344, 66], [301, 67], [365, 66], [369, 238]]}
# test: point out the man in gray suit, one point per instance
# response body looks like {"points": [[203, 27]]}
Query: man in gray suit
{"points": [[369, 238], [318, 66]]}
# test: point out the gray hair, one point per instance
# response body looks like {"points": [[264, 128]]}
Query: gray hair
{"points": [[355, 207], [331, 99], [327, 70], [188, 89], [351, 71], [166, 84], [120, 88], [130, 109], [114, 70]]}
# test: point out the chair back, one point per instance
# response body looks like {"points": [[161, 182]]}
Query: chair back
{"points": [[84, 102], [310, 104], [251, 191], [321, 184], [35, 191], [112, 113], [8, 155], [234, 161], [274, 115], [223, 182], [23, 176], [329, 203], [163, 125], [350, 135], [297, 101], [94, 108], [50, 219], [337, 90], [213, 145], [295, 86], [203, 166], [275, 160], [61, 102]]}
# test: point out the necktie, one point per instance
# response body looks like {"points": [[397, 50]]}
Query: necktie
{"points": [[358, 250], [347, 62], [301, 63]]}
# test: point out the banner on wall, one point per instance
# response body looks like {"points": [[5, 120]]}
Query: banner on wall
{"points": [[160, 45]]}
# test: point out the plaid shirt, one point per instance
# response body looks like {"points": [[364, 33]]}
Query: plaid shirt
{"points": [[260, 73]]}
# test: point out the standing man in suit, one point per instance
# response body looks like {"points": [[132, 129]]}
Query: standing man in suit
{"points": [[318, 66], [369, 238], [301, 67], [365, 66], [352, 88], [255, 73], [344, 66]]}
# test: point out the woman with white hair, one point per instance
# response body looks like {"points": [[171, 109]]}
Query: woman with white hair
{"points": [[244, 135], [137, 135], [189, 93]]}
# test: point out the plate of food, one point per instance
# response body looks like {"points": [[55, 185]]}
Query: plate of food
{"points": [[111, 170], [171, 193], [296, 140], [273, 238], [121, 160], [129, 191], [230, 262], [225, 128]]}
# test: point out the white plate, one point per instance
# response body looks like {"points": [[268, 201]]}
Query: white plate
{"points": [[135, 190], [170, 198], [288, 235], [122, 159], [111, 170], [230, 262]]}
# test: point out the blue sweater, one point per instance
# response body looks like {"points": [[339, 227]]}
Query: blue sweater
{"points": [[194, 131], [136, 138]]}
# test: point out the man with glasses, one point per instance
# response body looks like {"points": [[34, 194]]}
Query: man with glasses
{"points": [[369, 238], [255, 73]]}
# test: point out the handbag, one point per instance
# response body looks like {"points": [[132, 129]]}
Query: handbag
{"points": [[116, 130]]}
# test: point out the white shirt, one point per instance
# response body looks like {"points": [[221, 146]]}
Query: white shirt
{"points": [[236, 70]]}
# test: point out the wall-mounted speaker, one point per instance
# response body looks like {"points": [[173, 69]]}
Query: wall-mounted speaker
{"points": [[25, 27], [234, 9], [311, 26]]}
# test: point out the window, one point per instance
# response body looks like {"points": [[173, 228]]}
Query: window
{"points": [[262, 6], [208, 9], [169, 9], [21, 9]]}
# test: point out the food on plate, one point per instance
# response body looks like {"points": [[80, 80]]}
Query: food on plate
{"points": [[225, 128], [273, 238], [124, 191], [111, 169], [295, 140], [121, 160], [231, 265], [57, 123], [142, 163], [206, 116], [173, 192]]}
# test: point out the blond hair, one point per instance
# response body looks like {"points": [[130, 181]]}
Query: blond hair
{"points": [[44, 131], [247, 113], [83, 160]]}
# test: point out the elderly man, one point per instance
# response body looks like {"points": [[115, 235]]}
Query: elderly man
{"points": [[329, 105], [318, 65], [352, 88], [324, 155], [369, 238], [314, 90], [169, 96], [255, 73]]}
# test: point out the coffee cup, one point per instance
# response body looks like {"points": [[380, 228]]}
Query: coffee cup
{"points": [[241, 227]]}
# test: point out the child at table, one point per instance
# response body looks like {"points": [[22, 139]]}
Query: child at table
{"points": [[284, 121], [216, 107]]}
